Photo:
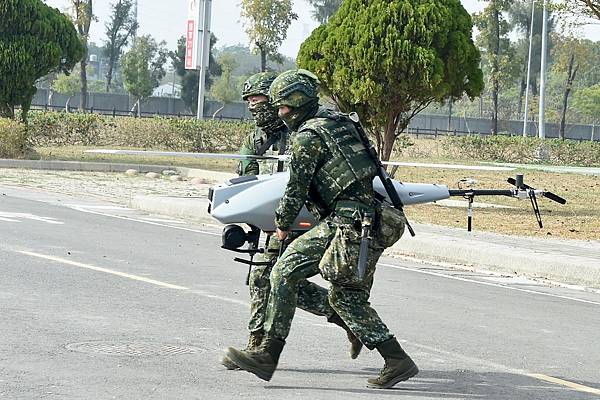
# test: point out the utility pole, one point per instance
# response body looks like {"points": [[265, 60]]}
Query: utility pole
{"points": [[528, 69], [204, 51], [542, 119]]}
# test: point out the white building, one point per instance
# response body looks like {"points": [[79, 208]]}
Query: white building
{"points": [[168, 90]]}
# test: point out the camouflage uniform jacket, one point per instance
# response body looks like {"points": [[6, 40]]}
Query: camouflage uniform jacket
{"points": [[252, 145], [308, 154]]}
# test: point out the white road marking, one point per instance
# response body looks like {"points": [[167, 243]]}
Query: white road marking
{"points": [[97, 207], [489, 364], [79, 208], [8, 220], [143, 279], [8, 216], [571, 385], [100, 269], [441, 275], [83, 209]]}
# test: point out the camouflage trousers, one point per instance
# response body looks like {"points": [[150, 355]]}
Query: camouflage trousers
{"points": [[331, 248], [311, 297]]}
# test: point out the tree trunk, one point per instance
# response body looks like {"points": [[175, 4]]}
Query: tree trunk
{"points": [[521, 94], [450, 115], [67, 103], [218, 111], [389, 134], [533, 85], [83, 77], [571, 73], [263, 60], [495, 108], [109, 76], [7, 111], [495, 70]]}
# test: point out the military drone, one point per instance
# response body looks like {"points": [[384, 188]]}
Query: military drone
{"points": [[252, 200]]}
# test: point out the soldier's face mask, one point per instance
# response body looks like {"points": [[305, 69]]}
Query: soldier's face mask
{"points": [[294, 117], [264, 113]]}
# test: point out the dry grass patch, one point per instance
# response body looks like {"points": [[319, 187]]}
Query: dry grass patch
{"points": [[578, 219]]}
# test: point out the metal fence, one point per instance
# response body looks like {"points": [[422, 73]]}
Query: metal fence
{"points": [[114, 112]]}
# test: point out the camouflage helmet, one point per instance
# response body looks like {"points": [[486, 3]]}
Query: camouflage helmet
{"points": [[258, 84], [294, 88]]}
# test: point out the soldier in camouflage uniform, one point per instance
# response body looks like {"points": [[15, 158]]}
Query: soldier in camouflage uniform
{"points": [[271, 133], [331, 171]]}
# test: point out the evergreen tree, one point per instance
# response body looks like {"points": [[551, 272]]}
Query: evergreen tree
{"points": [[406, 55], [34, 40]]}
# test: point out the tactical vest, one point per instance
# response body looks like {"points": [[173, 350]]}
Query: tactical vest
{"points": [[349, 162]]}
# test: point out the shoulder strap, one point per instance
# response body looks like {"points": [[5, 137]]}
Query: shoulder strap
{"points": [[267, 144]]}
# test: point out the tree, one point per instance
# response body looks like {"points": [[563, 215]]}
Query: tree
{"points": [[587, 102], [34, 40], [267, 22], [404, 57], [324, 9], [493, 38], [570, 54], [67, 84], [83, 16], [592, 6], [520, 20], [119, 29], [190, 78], [225, 89], [247, 62], [143, 68], [589, 8]]}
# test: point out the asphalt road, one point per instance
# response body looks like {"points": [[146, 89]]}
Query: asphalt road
{"points": [[102, 302]]}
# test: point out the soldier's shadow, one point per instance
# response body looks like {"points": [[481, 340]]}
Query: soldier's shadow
{"points": [[462, 384]]}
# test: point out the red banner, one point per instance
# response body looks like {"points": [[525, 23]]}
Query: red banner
{"points": [[189, 44]]}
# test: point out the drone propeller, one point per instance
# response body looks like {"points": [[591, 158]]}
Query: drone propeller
{"points": [[522, 192], [522, 186]]}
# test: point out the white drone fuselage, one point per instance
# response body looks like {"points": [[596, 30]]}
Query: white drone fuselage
{"points": [[253, 200]]}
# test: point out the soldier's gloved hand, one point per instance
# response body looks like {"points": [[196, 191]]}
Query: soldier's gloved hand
{"points": [[282, 235]]}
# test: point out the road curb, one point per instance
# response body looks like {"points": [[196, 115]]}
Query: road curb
{"points": [[501, 258], [86, 166]]}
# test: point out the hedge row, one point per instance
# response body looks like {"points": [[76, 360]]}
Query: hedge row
{"points": [[516, 149], [14, 139], [60, 129], [176, 134]]}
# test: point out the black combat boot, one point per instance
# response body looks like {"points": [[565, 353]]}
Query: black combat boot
{"points": [[398, 366], [261, 362], [254, 341], [355, 344]]}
